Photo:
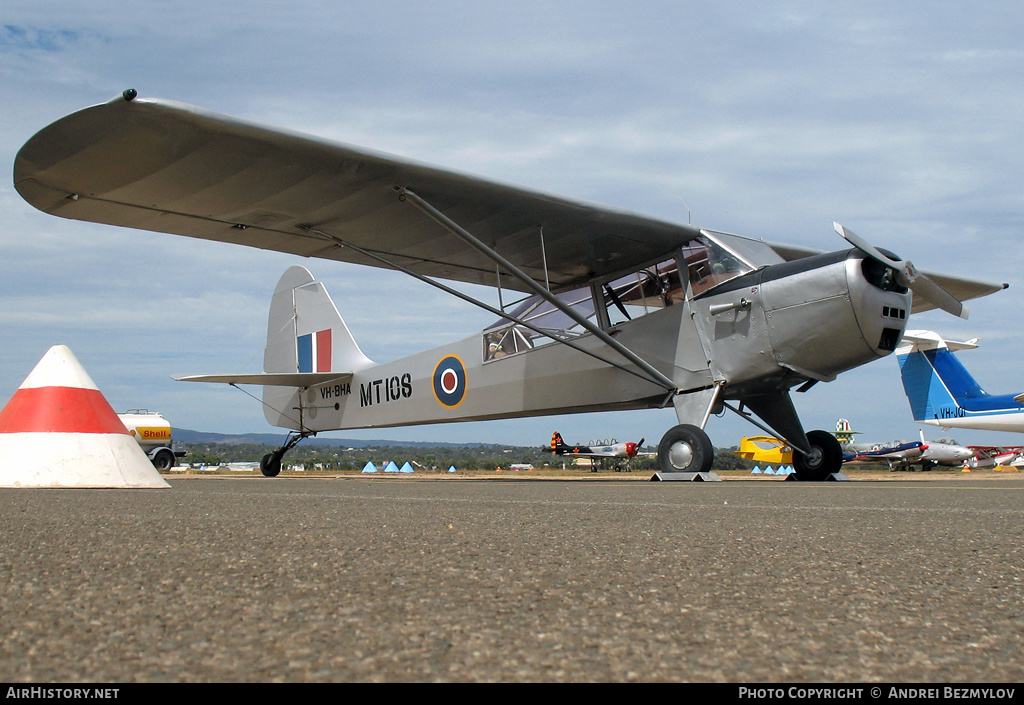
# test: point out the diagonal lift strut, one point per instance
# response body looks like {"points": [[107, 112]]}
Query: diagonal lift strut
{"points": [[469, 299], [471, 240]]}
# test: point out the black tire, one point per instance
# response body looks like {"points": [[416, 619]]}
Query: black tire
{"points": [[163, 461], [685, 448], [826, 457], [270, 466]]}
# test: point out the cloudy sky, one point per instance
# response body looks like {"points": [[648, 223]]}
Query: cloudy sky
{"points": [[903, 121]]}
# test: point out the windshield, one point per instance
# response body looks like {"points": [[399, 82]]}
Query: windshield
{"points": [[708, 264], [655, 287]]}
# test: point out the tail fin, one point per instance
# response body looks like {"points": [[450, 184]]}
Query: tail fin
{"points": [[844, 432], [556, 443], [307, 343], [936, 383], [305, 332]]}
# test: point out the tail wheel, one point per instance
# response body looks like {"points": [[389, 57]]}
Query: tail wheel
{"points": [[825, 458], [270, 466], [685, 448]]}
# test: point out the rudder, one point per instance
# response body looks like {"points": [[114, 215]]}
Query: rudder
{"points": [[305, 334], [933, 378]]}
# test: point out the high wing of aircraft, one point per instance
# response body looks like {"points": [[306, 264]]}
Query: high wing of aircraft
{"points": [[943, 393], [617, 310], [611, 449]]}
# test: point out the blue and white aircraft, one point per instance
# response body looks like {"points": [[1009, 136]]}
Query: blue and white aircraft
{"points": [[943, 393]]}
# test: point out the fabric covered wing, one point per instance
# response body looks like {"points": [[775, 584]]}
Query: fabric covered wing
{"points": [[961, 288], [170, 167]]}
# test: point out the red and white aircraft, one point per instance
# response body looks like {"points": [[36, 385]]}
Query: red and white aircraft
{"points": [[612, 449]]}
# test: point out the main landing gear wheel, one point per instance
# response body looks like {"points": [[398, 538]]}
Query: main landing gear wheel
{"points": [[270, 466], [825, 458], [685, 448]]}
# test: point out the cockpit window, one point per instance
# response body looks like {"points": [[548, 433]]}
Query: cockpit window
{"points": [[627, 298], [505, 337], [642, 292], [709, 264]]}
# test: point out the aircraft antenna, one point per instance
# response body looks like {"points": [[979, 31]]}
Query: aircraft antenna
{"points": [[676, 192], [688, 220]]}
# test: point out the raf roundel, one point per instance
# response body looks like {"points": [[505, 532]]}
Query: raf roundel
{"points": [[450, 381]]}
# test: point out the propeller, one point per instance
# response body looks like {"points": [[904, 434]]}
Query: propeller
{"points": [[633, 448], [907, 275]]}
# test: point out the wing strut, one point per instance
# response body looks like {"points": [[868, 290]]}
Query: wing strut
{"points": [[467, 237], [469, 299], [801, 447]]}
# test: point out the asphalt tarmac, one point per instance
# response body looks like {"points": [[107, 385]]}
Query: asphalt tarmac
{"points": [[396, 579]]}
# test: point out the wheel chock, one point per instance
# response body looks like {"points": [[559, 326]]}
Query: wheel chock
{"points": [[686, 477], [832, 477]]}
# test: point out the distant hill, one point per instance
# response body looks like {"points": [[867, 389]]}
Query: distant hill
{"points": [[185, 435]]}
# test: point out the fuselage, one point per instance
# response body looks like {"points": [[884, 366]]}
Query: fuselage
{"points": [[785, 323], [1010, 420], [897, 451], [942, 453]]}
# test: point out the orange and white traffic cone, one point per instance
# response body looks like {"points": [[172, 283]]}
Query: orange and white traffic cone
{"points": [[58, 430]]}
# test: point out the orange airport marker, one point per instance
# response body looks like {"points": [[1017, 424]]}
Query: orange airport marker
{"points": [[58, 430]]}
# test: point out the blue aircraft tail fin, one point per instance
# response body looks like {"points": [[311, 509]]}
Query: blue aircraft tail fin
{"points": [[935, 381]]}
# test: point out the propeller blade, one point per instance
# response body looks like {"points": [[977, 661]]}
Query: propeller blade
{"points": [[640, 443], [869, 249], [907, 275], [930, 291]]}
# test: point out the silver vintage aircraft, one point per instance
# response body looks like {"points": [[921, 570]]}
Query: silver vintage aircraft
{"points": [[617, 310]]}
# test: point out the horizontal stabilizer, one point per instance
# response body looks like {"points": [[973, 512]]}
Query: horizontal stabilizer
{"points": [[920, 340], [272, 379]]}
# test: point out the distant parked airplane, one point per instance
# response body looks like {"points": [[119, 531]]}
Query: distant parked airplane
{"points": [[901, 454], [613, 449], [765, 449]]}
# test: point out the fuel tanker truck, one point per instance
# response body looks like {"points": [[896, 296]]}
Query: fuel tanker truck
{"points": [[153, 432]]}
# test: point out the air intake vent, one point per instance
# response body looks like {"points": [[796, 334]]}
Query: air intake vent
{"points": [[890, 338]]}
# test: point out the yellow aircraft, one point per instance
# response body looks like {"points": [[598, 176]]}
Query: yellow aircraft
{"points": [[765, 449]]}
